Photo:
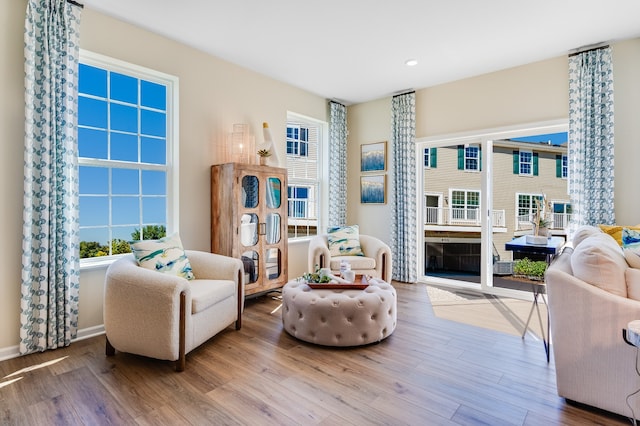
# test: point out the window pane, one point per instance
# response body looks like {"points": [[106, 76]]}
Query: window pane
{"points": [[154, 183], [124, 147], [153, 95], [153, 123], [124, 181], [153, 150], [92, 143], [124, 88], [91, 235], [124, 118], [94, 180], [92, 112], [92, 80], [94, 211], [154, 210], [123, 232], [126, 210]]}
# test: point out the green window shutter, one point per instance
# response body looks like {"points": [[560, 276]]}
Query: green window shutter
{"points": [[480, 159], [516, 162], [535, 164], [558, 165], [460, 157], [433, 156]]}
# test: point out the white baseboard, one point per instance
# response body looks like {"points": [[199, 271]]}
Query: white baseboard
{"points": [[85, 333]]}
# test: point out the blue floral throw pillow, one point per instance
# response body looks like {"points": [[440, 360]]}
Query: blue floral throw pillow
{"points": [[344, 241], [630, 238], [165, 255]]}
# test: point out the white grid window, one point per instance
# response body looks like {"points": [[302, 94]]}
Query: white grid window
{"points": [[125, 145]]}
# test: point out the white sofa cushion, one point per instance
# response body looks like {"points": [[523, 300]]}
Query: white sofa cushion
{"points": [[632, 276], [583, 232], [599, 261]]}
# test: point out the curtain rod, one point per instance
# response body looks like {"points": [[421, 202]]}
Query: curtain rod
{"points": [[404, 93], [75, 3], [588, 49], [333, 101]]}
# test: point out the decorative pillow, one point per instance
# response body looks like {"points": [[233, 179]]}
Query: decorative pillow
{"points": [[630, 238], [616, 231], [632, 257], [599, 261], [164, 255], [345, 241]]}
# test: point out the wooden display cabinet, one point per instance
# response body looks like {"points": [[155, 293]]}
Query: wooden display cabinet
{"points": [[249, 221]]}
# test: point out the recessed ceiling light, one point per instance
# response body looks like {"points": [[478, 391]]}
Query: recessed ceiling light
{"points": [[411, 62]]}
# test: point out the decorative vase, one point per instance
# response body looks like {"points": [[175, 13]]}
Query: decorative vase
{"points": [[263, 161], [269, 145]]}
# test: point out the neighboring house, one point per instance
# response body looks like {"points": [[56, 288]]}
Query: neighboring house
{"points": [[523, 173]]}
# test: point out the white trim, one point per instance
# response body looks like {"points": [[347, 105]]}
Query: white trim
{"points": [[11, 352]]}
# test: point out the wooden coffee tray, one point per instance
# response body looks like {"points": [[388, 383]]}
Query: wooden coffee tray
{"points": [[360, 283]]}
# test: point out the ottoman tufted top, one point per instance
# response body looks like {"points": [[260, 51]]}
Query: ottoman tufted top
{"points": [[339, 317]]}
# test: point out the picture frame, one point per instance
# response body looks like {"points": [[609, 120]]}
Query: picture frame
{"points": [[373, 157], [373, 189]]}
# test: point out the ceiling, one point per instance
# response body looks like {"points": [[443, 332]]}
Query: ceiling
{"points": [[355, 50]]}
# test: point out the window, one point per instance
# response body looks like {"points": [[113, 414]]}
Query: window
{"points": [[298, 201], [305, 139], [125, 145], [526, 207], [465, 205], [565, 167], [471, 158], [297, 140], [526, 163], [430, 157]]}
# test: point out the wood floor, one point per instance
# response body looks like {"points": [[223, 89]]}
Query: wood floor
{"points": [[431, 371]]}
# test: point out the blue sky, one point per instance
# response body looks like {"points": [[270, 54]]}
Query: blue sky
{"points": [[555, 138], [121, 118]]}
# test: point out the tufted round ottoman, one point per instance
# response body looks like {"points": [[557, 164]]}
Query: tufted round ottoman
{"points": [[339, 317]]}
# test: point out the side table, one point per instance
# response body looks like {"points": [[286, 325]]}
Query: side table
{"points": [[550, 249]]}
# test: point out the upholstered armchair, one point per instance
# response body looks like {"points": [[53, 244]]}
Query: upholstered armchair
{"points": [[375, 262], [165, 316]]}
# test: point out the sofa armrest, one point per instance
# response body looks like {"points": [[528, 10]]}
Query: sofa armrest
{"points": [[381, 252], [319, 253]]}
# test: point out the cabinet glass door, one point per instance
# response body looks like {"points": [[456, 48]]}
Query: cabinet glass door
{"points": [[274, 191], [250, 188]]}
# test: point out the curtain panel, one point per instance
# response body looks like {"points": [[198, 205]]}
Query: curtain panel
{"points": [[404, 215], [337, 165], [591, 143], [50, 245]]}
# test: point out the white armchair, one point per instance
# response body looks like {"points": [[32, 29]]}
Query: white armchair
{"points": [[376, 260], [164, 316]]}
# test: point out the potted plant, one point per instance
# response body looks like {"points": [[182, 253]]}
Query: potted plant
{"points": [[541, 222], [264, 154]]}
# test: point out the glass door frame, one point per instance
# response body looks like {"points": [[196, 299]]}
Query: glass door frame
{"points": [[485, 138]]}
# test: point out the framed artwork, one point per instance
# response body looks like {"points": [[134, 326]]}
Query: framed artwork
{"points": [[373, 189], [373, 157]]}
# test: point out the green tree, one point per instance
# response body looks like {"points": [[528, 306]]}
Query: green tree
{"points": [[150, 232], [92, 249], [119, 246]]}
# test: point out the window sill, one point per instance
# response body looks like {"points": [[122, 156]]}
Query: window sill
{"points": [[98, 262]]}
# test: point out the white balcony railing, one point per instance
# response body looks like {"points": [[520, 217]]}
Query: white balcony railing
{"points": [[460, 216], [558, 221]]}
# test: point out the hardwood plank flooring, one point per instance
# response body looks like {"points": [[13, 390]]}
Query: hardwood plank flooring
{"points": [[430, 371]]}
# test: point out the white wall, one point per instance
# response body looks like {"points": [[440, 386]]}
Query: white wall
{"points": [[537, 92], [214, 95]]}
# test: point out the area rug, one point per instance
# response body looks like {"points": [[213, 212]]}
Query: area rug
{"points": [[501, 314]]}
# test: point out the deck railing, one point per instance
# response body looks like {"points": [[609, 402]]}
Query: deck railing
{"points": [[460, 216]]}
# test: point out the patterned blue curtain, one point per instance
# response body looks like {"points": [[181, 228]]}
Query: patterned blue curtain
{"points": [[50, 263], [337, 165], [404, 216], [591, 137]]}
